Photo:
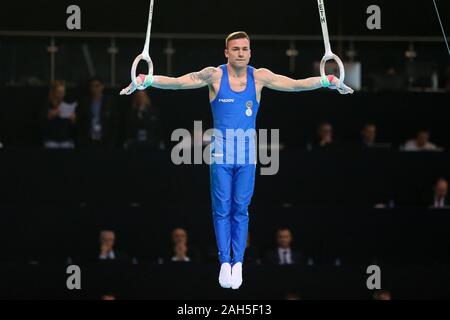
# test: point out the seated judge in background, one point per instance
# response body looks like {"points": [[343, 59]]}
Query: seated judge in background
{"points": [[107, 251], [440, 195], [180, 248], [369, 138], [421, 143], [98, 118], [58, 119], [324, 138], [180, 253], [143, 128], [284, 254]]}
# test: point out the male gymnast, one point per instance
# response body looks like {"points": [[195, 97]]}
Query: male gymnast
{"points": [[235, 94]]}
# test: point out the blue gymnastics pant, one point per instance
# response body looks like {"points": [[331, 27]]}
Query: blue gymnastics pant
{"points": [[232, 188]]}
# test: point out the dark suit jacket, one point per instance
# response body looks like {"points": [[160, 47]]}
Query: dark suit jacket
{"points": [[148, 122], [272, 257], [375, 147], [56, 129], [109, 120]]}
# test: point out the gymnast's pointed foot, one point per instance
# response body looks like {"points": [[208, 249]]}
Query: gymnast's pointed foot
{"points": [[225, 275], [236, 276]]}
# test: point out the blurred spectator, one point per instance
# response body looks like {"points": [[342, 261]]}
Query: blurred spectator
{"points": [[251, 253], [421, 143], [180, 253], [284, 254], [108, 296], [369, 137], [180, 240], [98, 117], [181, 250], [324, 139], [58, 118], [179, 235], [382, 295], [143, 125], [107, 244], [440, 199]]}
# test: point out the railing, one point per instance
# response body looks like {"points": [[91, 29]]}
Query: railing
{"points": [[112, 50], [198, 36]]}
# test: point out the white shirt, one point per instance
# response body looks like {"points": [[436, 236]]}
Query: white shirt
{"points": [[110, 256], [285, 256], [439, 202], [411, 145], [184, 259]]}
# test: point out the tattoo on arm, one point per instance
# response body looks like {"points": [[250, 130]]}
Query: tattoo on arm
{"points": [[204, 76]]}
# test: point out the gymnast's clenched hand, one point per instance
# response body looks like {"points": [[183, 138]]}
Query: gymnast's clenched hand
{"points": [[131, 87], [343, 89]]}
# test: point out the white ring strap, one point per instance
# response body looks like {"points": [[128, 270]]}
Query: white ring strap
{"points": [[329, 55], [145, 55]]}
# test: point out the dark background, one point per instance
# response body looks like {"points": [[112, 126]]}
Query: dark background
{"points": [[399, 18], [54, 203]]}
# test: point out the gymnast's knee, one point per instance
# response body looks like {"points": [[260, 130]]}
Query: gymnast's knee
{"points": [[240, 209], [221, 211]]}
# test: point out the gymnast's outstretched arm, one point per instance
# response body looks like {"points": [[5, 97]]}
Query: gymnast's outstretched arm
{"points": [[282, 83], [193, 80]]}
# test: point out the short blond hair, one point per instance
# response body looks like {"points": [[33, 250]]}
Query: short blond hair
{"points": [[236, 35]]}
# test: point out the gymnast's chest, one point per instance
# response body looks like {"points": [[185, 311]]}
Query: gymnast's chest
{"points": [[237, 85]]}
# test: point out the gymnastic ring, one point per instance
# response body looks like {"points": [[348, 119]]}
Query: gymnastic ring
{"points": [[334, 57], [134, 67]]}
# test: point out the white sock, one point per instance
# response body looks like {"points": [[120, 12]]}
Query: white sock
{"points": [[225, 275], [236, 276]]}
